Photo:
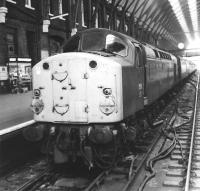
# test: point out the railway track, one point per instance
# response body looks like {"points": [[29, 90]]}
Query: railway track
{"points": [[46, 178], [122, 179], [123, 176], [176, 164], [118, 178], [186, 170], [14, 149], [192, 180], [37, 181]]}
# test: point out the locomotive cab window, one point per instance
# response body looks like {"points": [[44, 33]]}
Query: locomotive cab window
{"points": [[115, 45], [72, 45], [93, 41], [110, 44]]}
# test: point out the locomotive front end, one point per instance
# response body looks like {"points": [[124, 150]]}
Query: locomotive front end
{"points": [[78, 98], [75, 88]]}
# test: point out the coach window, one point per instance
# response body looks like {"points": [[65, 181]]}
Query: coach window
{"points": [[72, 45], [116, 45], [156, 53]]}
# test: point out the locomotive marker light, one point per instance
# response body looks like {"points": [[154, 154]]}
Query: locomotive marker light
{"points": [[46, 66], [93, 64], [107, 91], [37, 106], [36, 92], [107, 106]]}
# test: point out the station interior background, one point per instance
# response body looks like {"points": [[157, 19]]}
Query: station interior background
{"points": [[31, 30]]}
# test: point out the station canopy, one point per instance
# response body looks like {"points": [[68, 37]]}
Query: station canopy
{"points": [[175, 20]]}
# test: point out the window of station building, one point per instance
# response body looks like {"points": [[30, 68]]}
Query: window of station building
{"points": [[11, 44], [55, 46], [28, 4]]}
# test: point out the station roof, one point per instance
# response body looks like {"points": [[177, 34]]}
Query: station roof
{"points": [[174, 20]]}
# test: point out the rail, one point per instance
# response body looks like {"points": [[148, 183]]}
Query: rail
{"points": [[16, 127], [187, 180]]}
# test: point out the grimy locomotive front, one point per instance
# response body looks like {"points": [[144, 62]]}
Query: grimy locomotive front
{"points": [[85, 100]]}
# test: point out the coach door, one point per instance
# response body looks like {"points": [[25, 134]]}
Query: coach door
{"points": [[140, 70]]}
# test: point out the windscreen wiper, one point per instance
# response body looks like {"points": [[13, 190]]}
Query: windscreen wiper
{"points": [[108, 51]]}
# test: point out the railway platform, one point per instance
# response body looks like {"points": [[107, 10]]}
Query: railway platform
{"points": [[15, 109]]}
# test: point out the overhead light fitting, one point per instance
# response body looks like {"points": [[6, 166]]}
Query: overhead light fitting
{"points": [[180, 16]]}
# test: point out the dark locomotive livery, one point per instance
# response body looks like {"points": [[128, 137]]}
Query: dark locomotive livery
{"points": [[86, 98]]}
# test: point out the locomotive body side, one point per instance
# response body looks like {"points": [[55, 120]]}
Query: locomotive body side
{"points": [[160, 73], [132, 82]]}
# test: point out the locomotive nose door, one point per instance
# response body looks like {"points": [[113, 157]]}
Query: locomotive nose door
{"points": [[69, 90]]}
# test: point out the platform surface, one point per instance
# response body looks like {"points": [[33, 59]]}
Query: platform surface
{"points": [[15, 109]]}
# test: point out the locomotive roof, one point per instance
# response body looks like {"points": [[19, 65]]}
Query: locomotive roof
{"points": [[122, 36]]}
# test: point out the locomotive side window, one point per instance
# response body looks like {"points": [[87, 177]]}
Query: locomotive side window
{"points": [[72, 45], [115, 45], [138, 57]]}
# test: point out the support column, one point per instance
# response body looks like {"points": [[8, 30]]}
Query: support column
{"points": [[44, 38], [3, 43], [3, 55], [69, 22]]}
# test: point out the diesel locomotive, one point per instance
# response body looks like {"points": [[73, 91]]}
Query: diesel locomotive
{"points": [[86, 98]]}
